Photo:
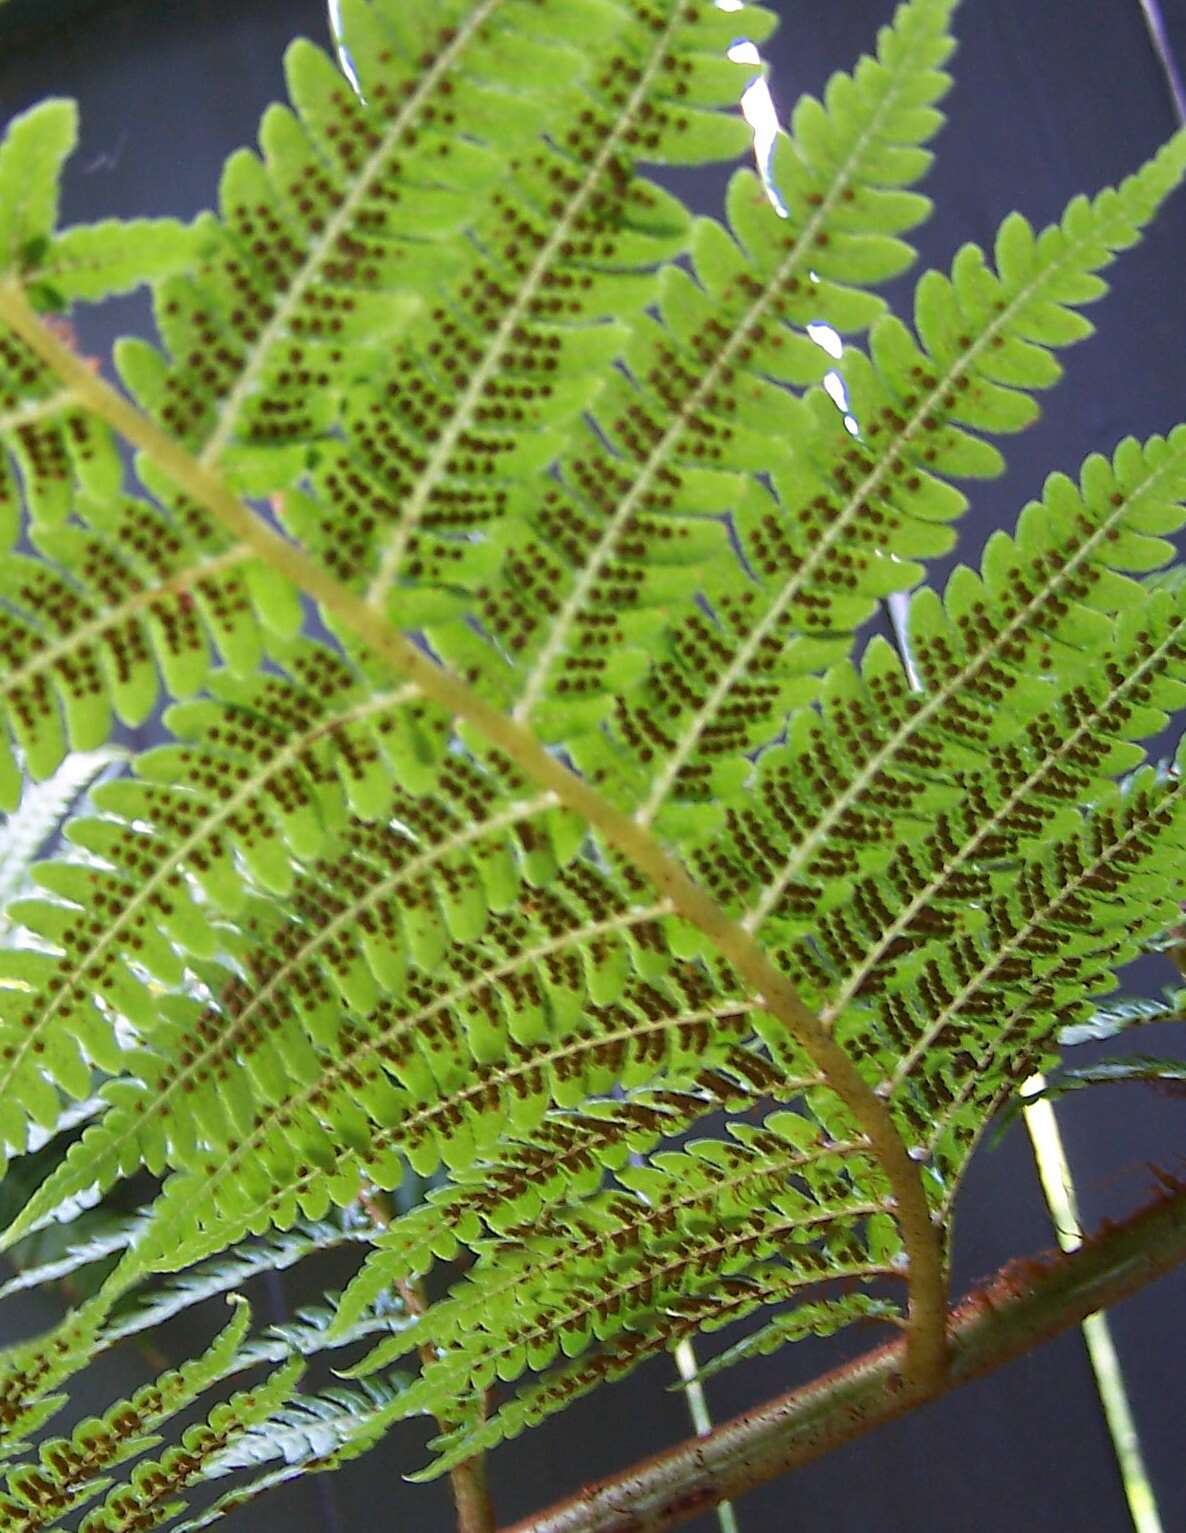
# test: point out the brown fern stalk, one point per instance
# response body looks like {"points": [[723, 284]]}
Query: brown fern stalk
{"points": [[1029, 1302]]}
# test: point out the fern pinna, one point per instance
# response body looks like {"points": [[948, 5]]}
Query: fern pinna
{"points": [[482, 525]]}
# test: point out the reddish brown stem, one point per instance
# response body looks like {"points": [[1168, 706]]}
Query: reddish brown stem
{"points": [[1028, 1303]]}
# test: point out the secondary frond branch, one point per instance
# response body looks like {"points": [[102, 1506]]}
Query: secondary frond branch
{"points": [[730, 349], [1127, 682], [1115, 845], [991, 1328], [1037, 608], [564, 227]]}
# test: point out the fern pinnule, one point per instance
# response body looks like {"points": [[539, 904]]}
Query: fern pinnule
{"points": [[485, 391], [1042, 608], [309, 1434], [44, 434], [560, 1161], [676, 1198], [1022, 796], [131, 598], [397, 1093], [31, 1371], [156, 1489]]}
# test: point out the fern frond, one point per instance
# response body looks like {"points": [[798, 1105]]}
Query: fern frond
{"points": [[156, 1488], [725, 1299], [1040, 609], [1077, 910], [646, 860], [676, 1198], [628, 533], [354, 207], [522, 869], [31, 1371], [852, 512], [130, 598], [310, 1434], [42, 808], [71, 1471], [565, 1158], [822, 1318], [35, 147]]}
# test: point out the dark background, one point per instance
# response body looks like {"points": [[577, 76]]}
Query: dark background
{"points": [[1051, 99]]}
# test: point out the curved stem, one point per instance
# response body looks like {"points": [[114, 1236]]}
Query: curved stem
{"points": [[925, 1356], [1030, 1302]]}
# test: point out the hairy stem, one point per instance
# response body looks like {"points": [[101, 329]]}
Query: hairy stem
{"points": [[471, 1493], [926, 1351], [1029, 1302]]}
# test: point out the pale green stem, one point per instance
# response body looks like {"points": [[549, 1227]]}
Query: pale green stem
{"points": [[926, 1357], [685, 1361], [1058, 1185]]}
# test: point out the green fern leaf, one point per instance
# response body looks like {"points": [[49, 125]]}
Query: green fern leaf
{"points": [[73, 1470], [529, 802]]}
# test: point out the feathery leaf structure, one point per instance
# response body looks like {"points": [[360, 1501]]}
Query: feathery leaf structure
{"points": [[156, 1488], [73, 1470], [328, 237], [310, 1434], [113, 1316], [1043, 601], [42, 432], [126, 597], [520, 414], [702, 399], [852, 513]]}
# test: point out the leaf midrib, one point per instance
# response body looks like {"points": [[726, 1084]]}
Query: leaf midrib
{"points": [[526, 291], [659, 455], [336, 225]]}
